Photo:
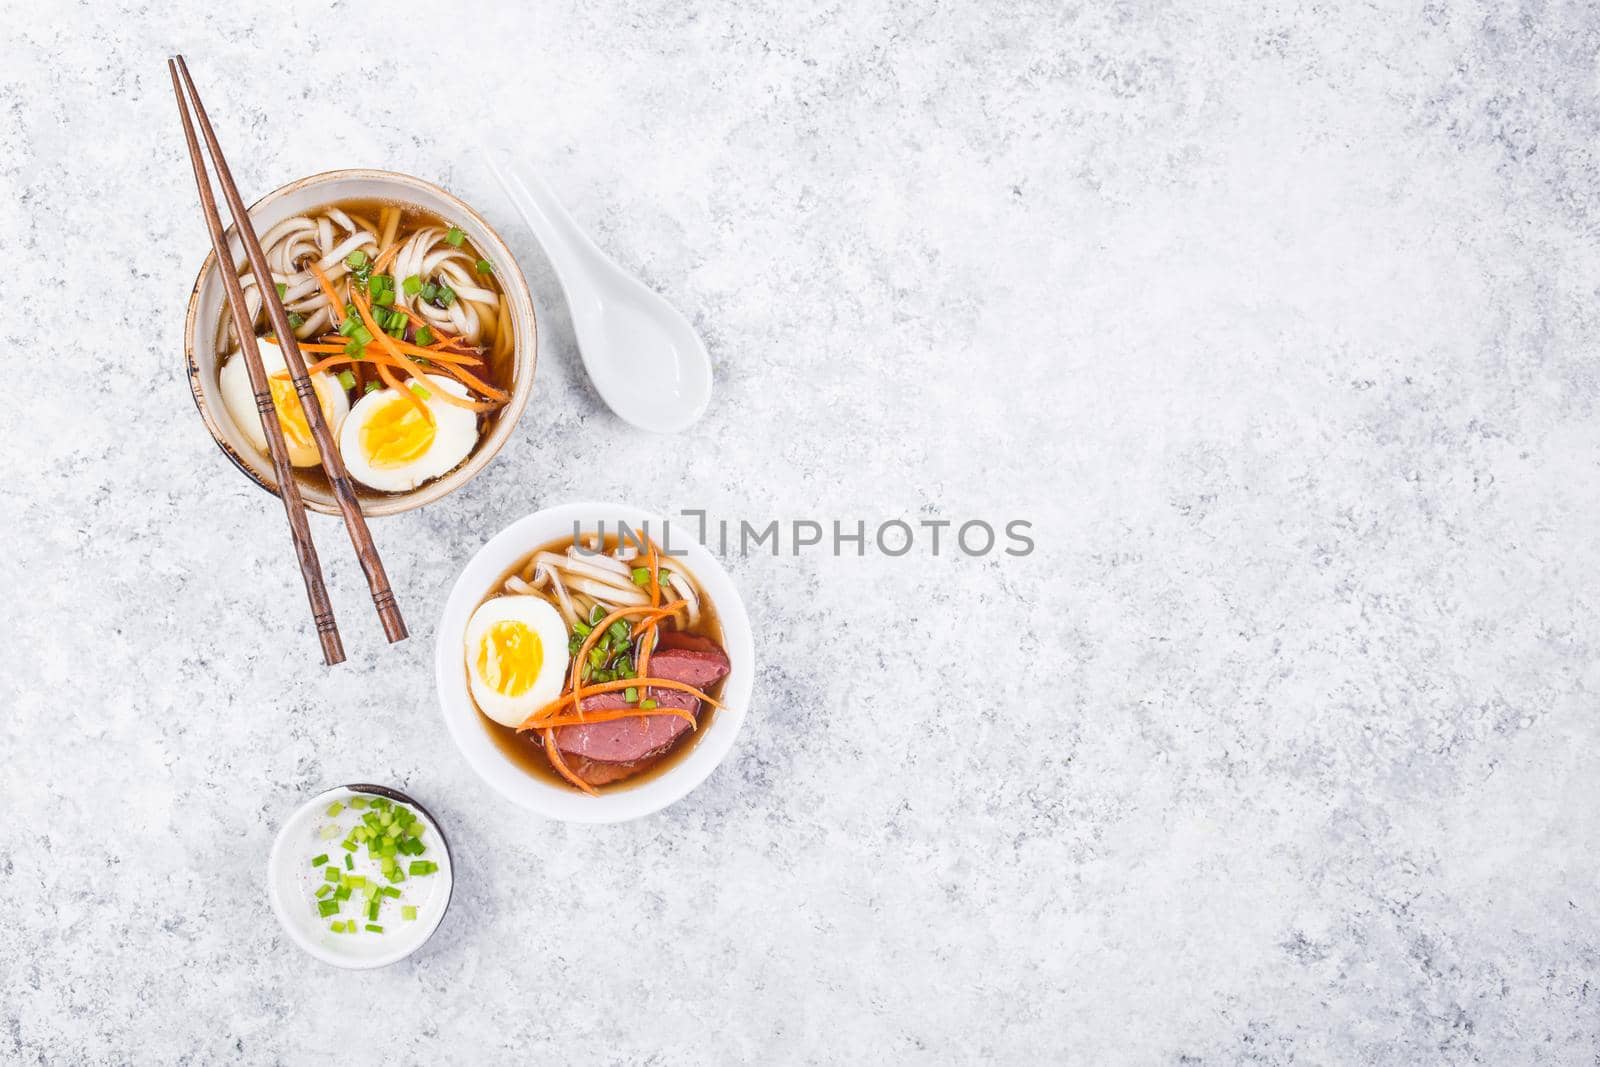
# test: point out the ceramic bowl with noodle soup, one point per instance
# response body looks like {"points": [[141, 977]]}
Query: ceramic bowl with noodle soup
{"points": [[413, 319], [594, 664]]}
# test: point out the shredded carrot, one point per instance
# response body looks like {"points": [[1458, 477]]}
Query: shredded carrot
{"points": [[612, 715], [646, 636], [365, 311], [538, 719], [597, 631], [655, 574], [553, 754], [335, 308]]}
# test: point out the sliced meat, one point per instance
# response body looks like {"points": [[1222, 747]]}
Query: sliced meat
{"points": [[597, 773], [627, 739], [690, 666]]}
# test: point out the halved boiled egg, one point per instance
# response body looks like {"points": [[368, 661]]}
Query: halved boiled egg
{"points": [[516, 649], [240, 400], [388, 444]]}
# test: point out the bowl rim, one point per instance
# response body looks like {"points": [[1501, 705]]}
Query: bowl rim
{"points": [[525, 356], [276, 856], [473, 741]]}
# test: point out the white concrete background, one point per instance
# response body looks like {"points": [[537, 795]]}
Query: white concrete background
{"points": [[1278, 324]]}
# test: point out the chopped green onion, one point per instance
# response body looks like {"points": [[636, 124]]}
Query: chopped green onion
{"points": [[356, 260], [408, 912], [342, 893], [582, 628], [330, 873], [326, 908], [354, 349], [323, 890], [372, 910], [455, 237], [347, 379], [318, 861], [641, 576], [420, 391], [355, 881], [447, 295], [662, 575], [485, 267], [430, 292], [423, 866], [375, 928], [296, 320], [631, 694], [282, 289], [349, 325], [596, 613], [424, 336], [412, 285], [337, 926], [619, 630], [348, 845], [330, 832], [362, 334], [646, 705], [349, 863], [389, 891]]}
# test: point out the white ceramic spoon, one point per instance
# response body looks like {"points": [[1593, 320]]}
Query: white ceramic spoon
{"points": [[644, 358]]}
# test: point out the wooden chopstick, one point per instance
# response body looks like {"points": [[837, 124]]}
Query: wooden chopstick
{"points": [[288, 488], [394, 626]]}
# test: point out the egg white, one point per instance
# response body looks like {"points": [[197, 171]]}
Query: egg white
{"points": [[538, 615], [455, 432], [240, 401]]}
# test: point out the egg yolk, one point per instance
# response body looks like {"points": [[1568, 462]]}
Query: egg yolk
{"points": [[396, 434], [509, 658], [291, 416]]}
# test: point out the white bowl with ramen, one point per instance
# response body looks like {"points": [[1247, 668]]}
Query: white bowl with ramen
{"points": [[495, 585], [334, 219]]}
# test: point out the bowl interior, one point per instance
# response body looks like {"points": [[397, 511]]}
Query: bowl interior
{"points": [[206, 310], [462, 716], [291, 881]]}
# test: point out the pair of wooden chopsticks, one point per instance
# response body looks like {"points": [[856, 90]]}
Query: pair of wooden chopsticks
{"points": [[394, 627]]}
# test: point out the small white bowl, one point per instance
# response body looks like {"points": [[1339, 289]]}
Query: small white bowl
{"points": [[291, 883], [471, 734]]}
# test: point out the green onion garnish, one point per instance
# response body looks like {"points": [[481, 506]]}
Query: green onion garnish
{"points": [[408, 912], [641, 576], [354, 349], [330, 873], [372, 910], [455, 237], [362, 334], [420, 391], [424, 336], [347, 379], [323, 890], [330, 832], [423, 866], [342, 893], [412, 285], [447, 295], [485, 267], [375, 928], [282, 289], [337, 926], [326, 908], [349, 862], [631, 694], [318, 861], [647, 704], [349, 325], [296, 320], [356, 260]]}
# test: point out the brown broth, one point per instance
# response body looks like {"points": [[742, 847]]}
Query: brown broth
{"points": [[499, 359], [525, 750]]}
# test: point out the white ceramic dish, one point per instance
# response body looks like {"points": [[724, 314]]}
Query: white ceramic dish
{"points": [[471, 734], [205, 312], [291, 881]]}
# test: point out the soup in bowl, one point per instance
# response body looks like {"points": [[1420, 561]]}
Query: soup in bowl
{"points": [[594, 663], [412, 317]]}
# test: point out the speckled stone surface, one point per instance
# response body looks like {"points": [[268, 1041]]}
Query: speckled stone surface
{"points": [[1278, 324]]}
